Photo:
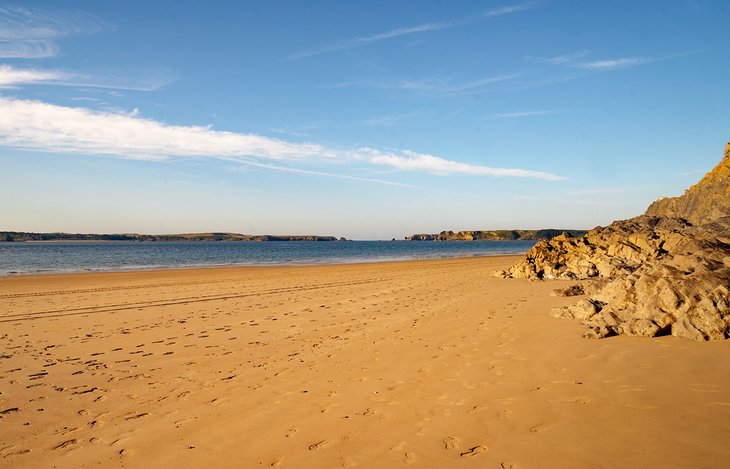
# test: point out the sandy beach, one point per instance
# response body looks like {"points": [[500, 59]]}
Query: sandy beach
{"points": [[430, 363]]}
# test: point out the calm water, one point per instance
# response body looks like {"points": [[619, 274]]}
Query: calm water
{"points": [[27, 258]]}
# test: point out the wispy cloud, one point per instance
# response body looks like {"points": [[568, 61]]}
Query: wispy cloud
{"points": [[576, 66], [59, 129], [433, 85], [612, 64], [289, 131], [27, 49], [43, 126], [514, 115], [561, 59], [510, 9], [470, 85], [404, 31], [364, 40], [11, 77], [127, 79], [577, 60], [143, 80], [412, 161], [31, 32], [388, 119], [309, 172]]}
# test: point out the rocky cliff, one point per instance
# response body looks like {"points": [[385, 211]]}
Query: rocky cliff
{"points": [[702, 203], [664, 272]]}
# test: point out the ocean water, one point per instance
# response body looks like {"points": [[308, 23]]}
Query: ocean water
{"points": [[64, 257]]}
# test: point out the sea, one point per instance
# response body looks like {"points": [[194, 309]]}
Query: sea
{"points": [[68, 257]]}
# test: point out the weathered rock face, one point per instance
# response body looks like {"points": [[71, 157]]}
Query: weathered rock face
{"points": [[665, 272]]}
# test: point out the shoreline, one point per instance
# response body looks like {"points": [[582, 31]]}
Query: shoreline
{"points": [[132, 241], [135, 269]]}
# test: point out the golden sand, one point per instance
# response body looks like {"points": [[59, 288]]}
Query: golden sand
{"points": [[434, 363]]}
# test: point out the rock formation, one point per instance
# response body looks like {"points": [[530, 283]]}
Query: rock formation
{"points": [[493, 235], [664, 272]]}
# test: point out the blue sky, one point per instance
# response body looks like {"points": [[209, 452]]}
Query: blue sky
{"points": [[368, 120]]}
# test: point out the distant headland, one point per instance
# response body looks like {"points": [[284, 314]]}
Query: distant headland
{"points": [[19, 236], [495, 235]]}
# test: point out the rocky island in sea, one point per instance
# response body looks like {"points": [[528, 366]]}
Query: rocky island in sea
{"points": [[19, 236], [494, 235], [664, 272]]}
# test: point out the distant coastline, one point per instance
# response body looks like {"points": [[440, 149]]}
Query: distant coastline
{"points": [[495, 235], [472, 235], [21, 236]]}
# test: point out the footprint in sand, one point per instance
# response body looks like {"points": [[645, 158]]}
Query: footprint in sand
{"points": [[318, 445], [8, 451], [451, 442], [9, 411], [474, 451], [538, 428], [66, 444]]}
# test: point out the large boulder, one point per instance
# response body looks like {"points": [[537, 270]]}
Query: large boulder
{"points": [[664, 272]]}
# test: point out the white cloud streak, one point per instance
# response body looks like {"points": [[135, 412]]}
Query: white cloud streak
{"points": [[287, 169], [514, 115], [398, 32], [612, 64], [42, 126], [11, 77], [27, 49], [364, 40], [412, 161], [47, 127], [434, 86], [574, 60], [146, 80], [510, 9], [562, 59], [129, 79], [31, 32], [388, 120]]}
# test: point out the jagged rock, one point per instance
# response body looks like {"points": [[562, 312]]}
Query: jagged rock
{"points": [[573, 290], [583, 310], [664, 272]]}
